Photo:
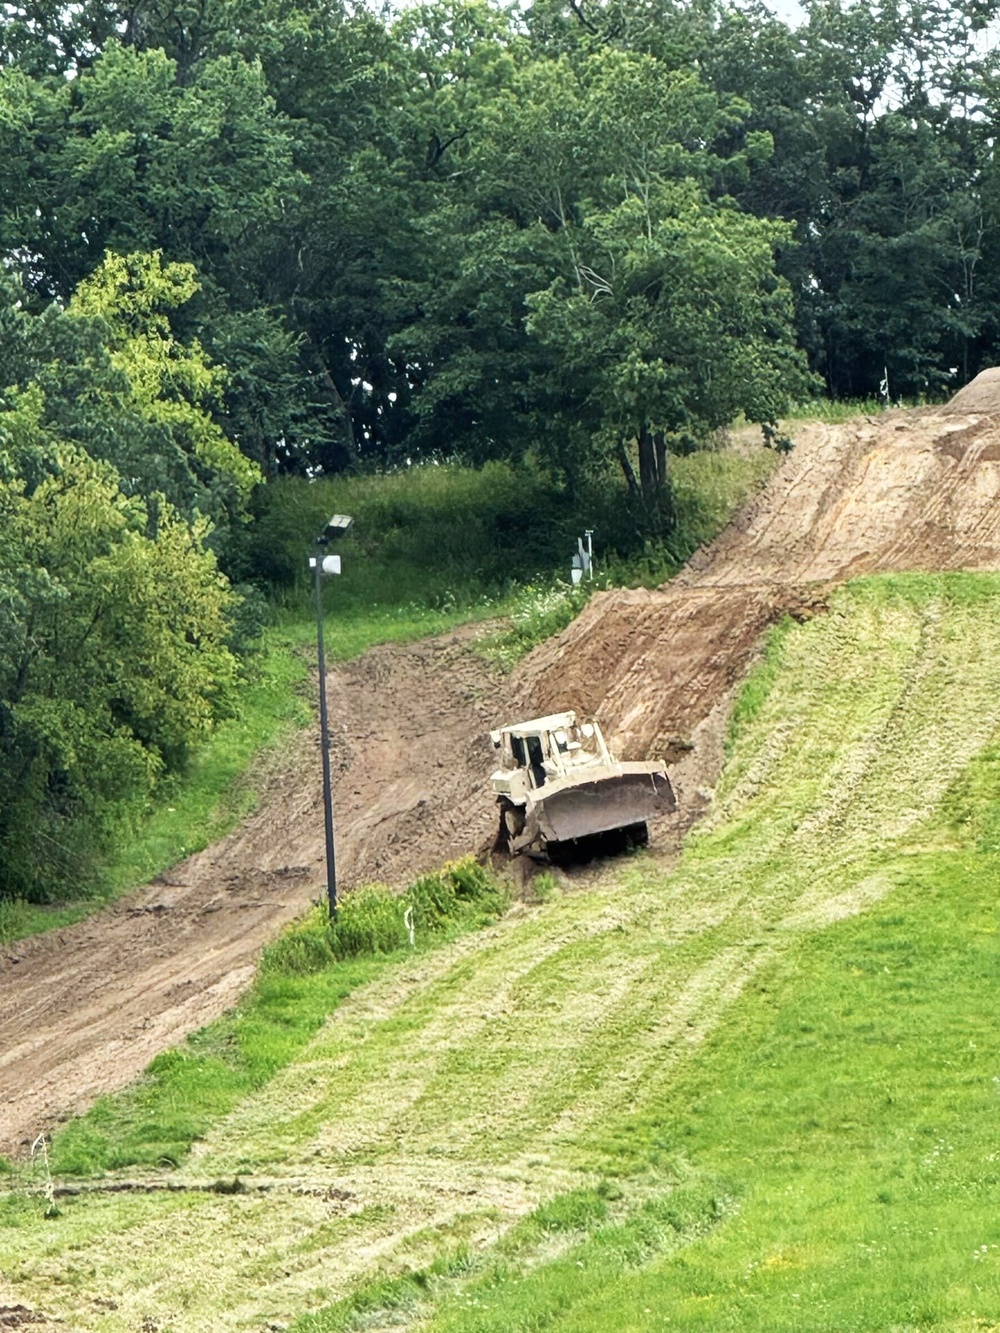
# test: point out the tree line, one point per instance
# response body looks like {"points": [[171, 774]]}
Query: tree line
{"points": [[242, 240]]}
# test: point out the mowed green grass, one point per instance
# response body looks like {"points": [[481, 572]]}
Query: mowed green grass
{"points": [[757, 1092], [845, 1123], [838, 1132]]}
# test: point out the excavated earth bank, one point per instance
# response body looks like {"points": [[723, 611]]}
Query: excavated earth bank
{"points": [[83, 1010], [911, 490]]}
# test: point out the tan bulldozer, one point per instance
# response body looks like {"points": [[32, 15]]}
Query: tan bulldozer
{"points": [[560, 785]]}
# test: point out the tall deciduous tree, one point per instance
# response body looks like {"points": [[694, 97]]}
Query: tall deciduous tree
{"points": [[113, 653]]}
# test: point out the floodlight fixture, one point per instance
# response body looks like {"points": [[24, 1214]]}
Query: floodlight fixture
{"points": [[336, 527]]}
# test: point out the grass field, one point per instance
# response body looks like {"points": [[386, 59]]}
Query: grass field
{"points": [[755, 1092]]}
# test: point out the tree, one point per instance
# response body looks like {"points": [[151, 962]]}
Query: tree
{"points": [[585, 294], [880, 123], [679, 323], [113, 654], [116, 381], [170, 385]]}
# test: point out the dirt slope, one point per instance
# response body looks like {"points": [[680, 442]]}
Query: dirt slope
{"points": [[911, 490], [476, 1080], [83, 1010]]}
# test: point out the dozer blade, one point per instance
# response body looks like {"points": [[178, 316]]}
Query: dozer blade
{"points": [[600, 804]]}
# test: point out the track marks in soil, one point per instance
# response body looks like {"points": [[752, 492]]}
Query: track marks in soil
{"points": [[916, 490], [83, 1010], [454, 1094]]}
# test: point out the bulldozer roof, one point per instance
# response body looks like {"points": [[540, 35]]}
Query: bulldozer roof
{"points": [[538, 725]]}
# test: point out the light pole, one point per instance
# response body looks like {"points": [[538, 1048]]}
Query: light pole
{"points": [[328, 564]]}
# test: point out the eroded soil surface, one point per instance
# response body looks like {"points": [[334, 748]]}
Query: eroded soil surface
{"points": [[910, 490], [84, 1009]]}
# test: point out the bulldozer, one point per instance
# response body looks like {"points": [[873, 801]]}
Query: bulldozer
{"points": [[559, 786]]}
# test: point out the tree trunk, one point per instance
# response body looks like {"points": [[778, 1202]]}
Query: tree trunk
{"points": [[342, 403], [648, 477], [628, 469], [660, 444], [653, 464], [649, 490]]}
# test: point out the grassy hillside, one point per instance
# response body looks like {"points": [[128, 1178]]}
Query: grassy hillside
{"points": [[758, 1092], [443, 536], [433, 547]]}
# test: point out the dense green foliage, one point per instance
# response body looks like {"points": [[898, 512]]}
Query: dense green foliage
{"points": [[116, 652], [569, 240], [470, 230]]}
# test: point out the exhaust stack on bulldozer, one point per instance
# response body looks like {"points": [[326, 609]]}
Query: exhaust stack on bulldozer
{"points": [[559, 783]]}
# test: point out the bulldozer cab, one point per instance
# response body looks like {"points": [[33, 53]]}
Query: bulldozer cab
{"points": [[558, 784], [551, 747]]}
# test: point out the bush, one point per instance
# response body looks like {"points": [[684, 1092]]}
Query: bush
{"points": [[369, 921]]}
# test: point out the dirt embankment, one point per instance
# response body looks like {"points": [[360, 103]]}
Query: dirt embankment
{"points": [[83, 1010], [914, 490]]}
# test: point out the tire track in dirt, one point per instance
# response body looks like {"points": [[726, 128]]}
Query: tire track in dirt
{"points": [[458, 1091], [84, 1009]]}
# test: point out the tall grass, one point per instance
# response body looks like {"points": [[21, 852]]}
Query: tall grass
{"points": [[448, 536], [839, 410], [431, 536], [374, 921]]}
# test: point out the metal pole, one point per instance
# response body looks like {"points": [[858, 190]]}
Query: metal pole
{"points": [[324, 732]]}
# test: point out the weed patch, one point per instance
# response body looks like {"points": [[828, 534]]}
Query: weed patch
{"points": [[375, 921], [846, 409], [303, 976]]}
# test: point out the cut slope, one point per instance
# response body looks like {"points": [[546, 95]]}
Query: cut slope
{"points": [[909, 491], [452, 1096], [84, 1009]]}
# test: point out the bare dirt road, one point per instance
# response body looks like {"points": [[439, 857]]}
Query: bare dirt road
{"points": [[83, 1010]]}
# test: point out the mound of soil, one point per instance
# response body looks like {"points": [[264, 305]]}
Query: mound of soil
{"points": [[980, 395]]}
